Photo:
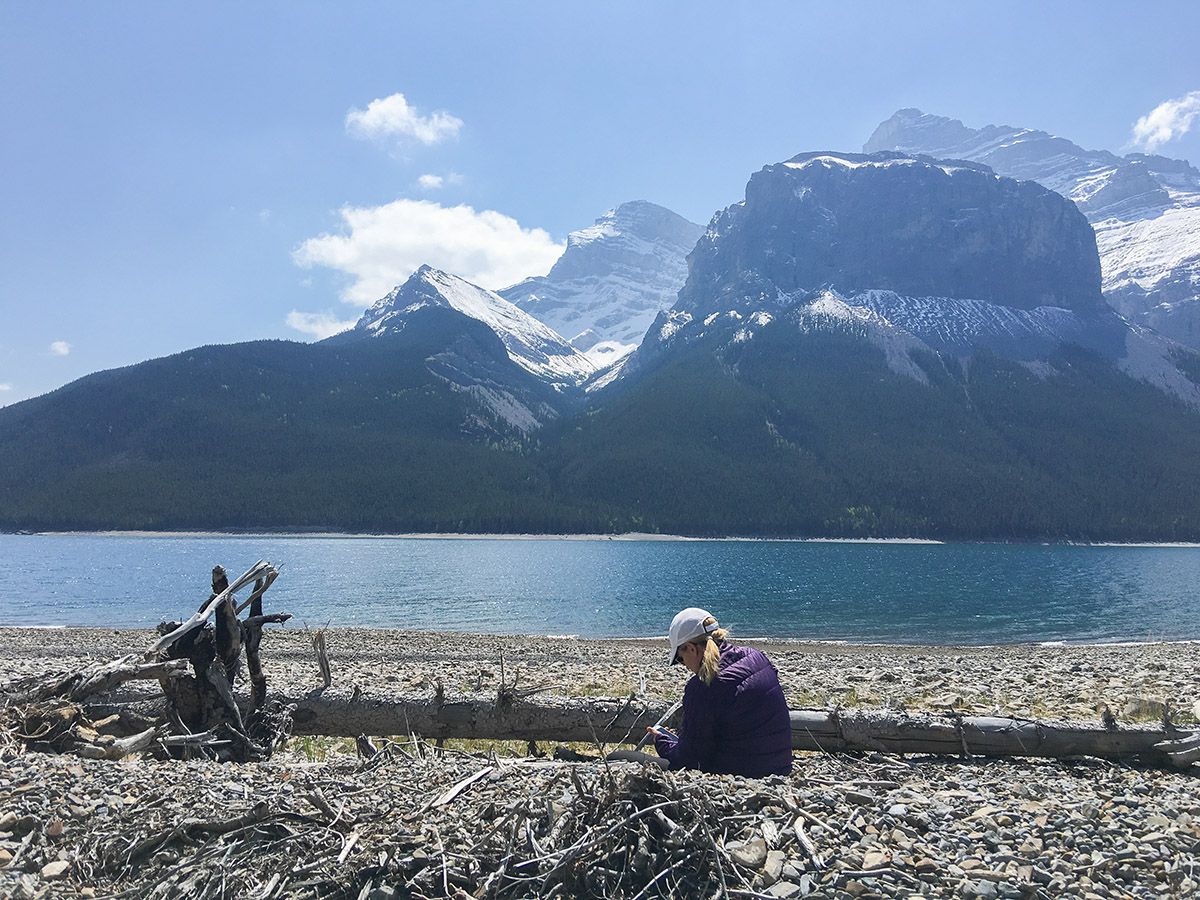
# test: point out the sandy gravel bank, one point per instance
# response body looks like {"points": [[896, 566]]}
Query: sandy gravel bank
{"points": [[1045, 681], [883, 826]]}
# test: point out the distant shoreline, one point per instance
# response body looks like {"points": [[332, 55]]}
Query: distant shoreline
{"points": [[631, 537], [766, 641]]}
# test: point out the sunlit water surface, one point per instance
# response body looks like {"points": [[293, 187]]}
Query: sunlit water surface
{"points": [[913, 593]]}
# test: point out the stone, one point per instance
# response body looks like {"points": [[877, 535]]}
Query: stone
{"points": [[874, 859], [55, 870], [751, 854], [860, 798], [985, 889], [784, 889], [926, 866], [773, 867], [1144, 708]]}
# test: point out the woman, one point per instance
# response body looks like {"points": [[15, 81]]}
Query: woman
{"points": [[735, 717]]}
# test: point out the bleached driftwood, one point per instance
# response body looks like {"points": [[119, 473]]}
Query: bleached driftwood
{"points": [[615, 721], [197, 667], [260, 570], [95, 679]]}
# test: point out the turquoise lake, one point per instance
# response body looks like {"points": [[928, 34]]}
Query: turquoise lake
{"points": [[909, 593]]}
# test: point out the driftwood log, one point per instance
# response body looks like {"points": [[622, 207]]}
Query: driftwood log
{"points": [[330, 712]]}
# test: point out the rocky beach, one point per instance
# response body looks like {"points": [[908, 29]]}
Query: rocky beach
{"points": [[478, 818]]}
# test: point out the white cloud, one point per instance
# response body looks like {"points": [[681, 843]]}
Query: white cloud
{"points": [[60, 348], [5, 387], [382, 245], [435, 182], [1167, 121], [393, 118], [320, 325]]}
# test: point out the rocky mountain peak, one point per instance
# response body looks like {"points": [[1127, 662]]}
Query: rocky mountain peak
{"points": [[895, 222], [613, 278], [1145, 208], [530, 344]]}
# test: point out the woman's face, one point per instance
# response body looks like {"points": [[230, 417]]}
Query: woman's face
{"points": [[691, 656]]}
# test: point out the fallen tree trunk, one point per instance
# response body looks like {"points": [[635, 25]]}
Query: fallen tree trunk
{"points": [[614, 721]]}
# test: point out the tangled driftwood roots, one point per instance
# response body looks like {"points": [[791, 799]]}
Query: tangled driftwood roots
{"points": [[197, 665]]}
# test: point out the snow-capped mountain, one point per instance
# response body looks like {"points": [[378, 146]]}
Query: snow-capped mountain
{"points": [[915, 256], [612, 280], [532, 345], [1145, 208]]}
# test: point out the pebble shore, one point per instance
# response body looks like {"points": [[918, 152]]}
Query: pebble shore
{"points": [[884, 825]]}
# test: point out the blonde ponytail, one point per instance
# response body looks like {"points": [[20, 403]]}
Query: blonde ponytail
{"points": [[711, 662]]}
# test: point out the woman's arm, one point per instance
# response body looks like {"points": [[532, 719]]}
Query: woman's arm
{"points": [[696, 744]]}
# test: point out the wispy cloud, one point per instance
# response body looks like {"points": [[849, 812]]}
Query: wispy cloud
{"points": [[60, 348], [319, 325], [1167, 121], [432, 182], [382, 245], [393, 119], [5, 386]]}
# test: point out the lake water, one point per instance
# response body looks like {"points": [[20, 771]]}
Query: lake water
{"points": [[913, 593]]}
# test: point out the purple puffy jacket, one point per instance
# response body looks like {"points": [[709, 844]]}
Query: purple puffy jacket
{"points": [[738, 725]]}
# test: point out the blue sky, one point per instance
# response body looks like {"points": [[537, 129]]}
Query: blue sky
{"points": [[181, 174]]}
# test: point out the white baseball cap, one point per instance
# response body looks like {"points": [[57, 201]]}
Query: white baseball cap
{"points": [[688, 625]]}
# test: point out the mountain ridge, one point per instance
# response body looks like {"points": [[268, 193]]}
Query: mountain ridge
{"points": [[1145, 208], [803, 384], [612, 279]]}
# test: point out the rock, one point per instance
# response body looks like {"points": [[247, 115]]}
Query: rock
{"points": [[926, 866], [5, 857], [860, 798], [985, 889], [784, 889], [874, 859], [773, 868], [55, 870], [854, 888], [1144, 708], [751, 854], [899, 810]]}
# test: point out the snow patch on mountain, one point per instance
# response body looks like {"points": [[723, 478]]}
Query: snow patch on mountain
{"points": [[829, 160], [831, 311], [1146, 252], [613, 278], [963, 325], [503, 405], [1150, 357]]}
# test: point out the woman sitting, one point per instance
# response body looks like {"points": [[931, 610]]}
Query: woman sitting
{"points": [[735, 717]]}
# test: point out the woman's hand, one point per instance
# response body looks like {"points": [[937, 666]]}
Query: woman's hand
{"points": [[659, 731]]}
